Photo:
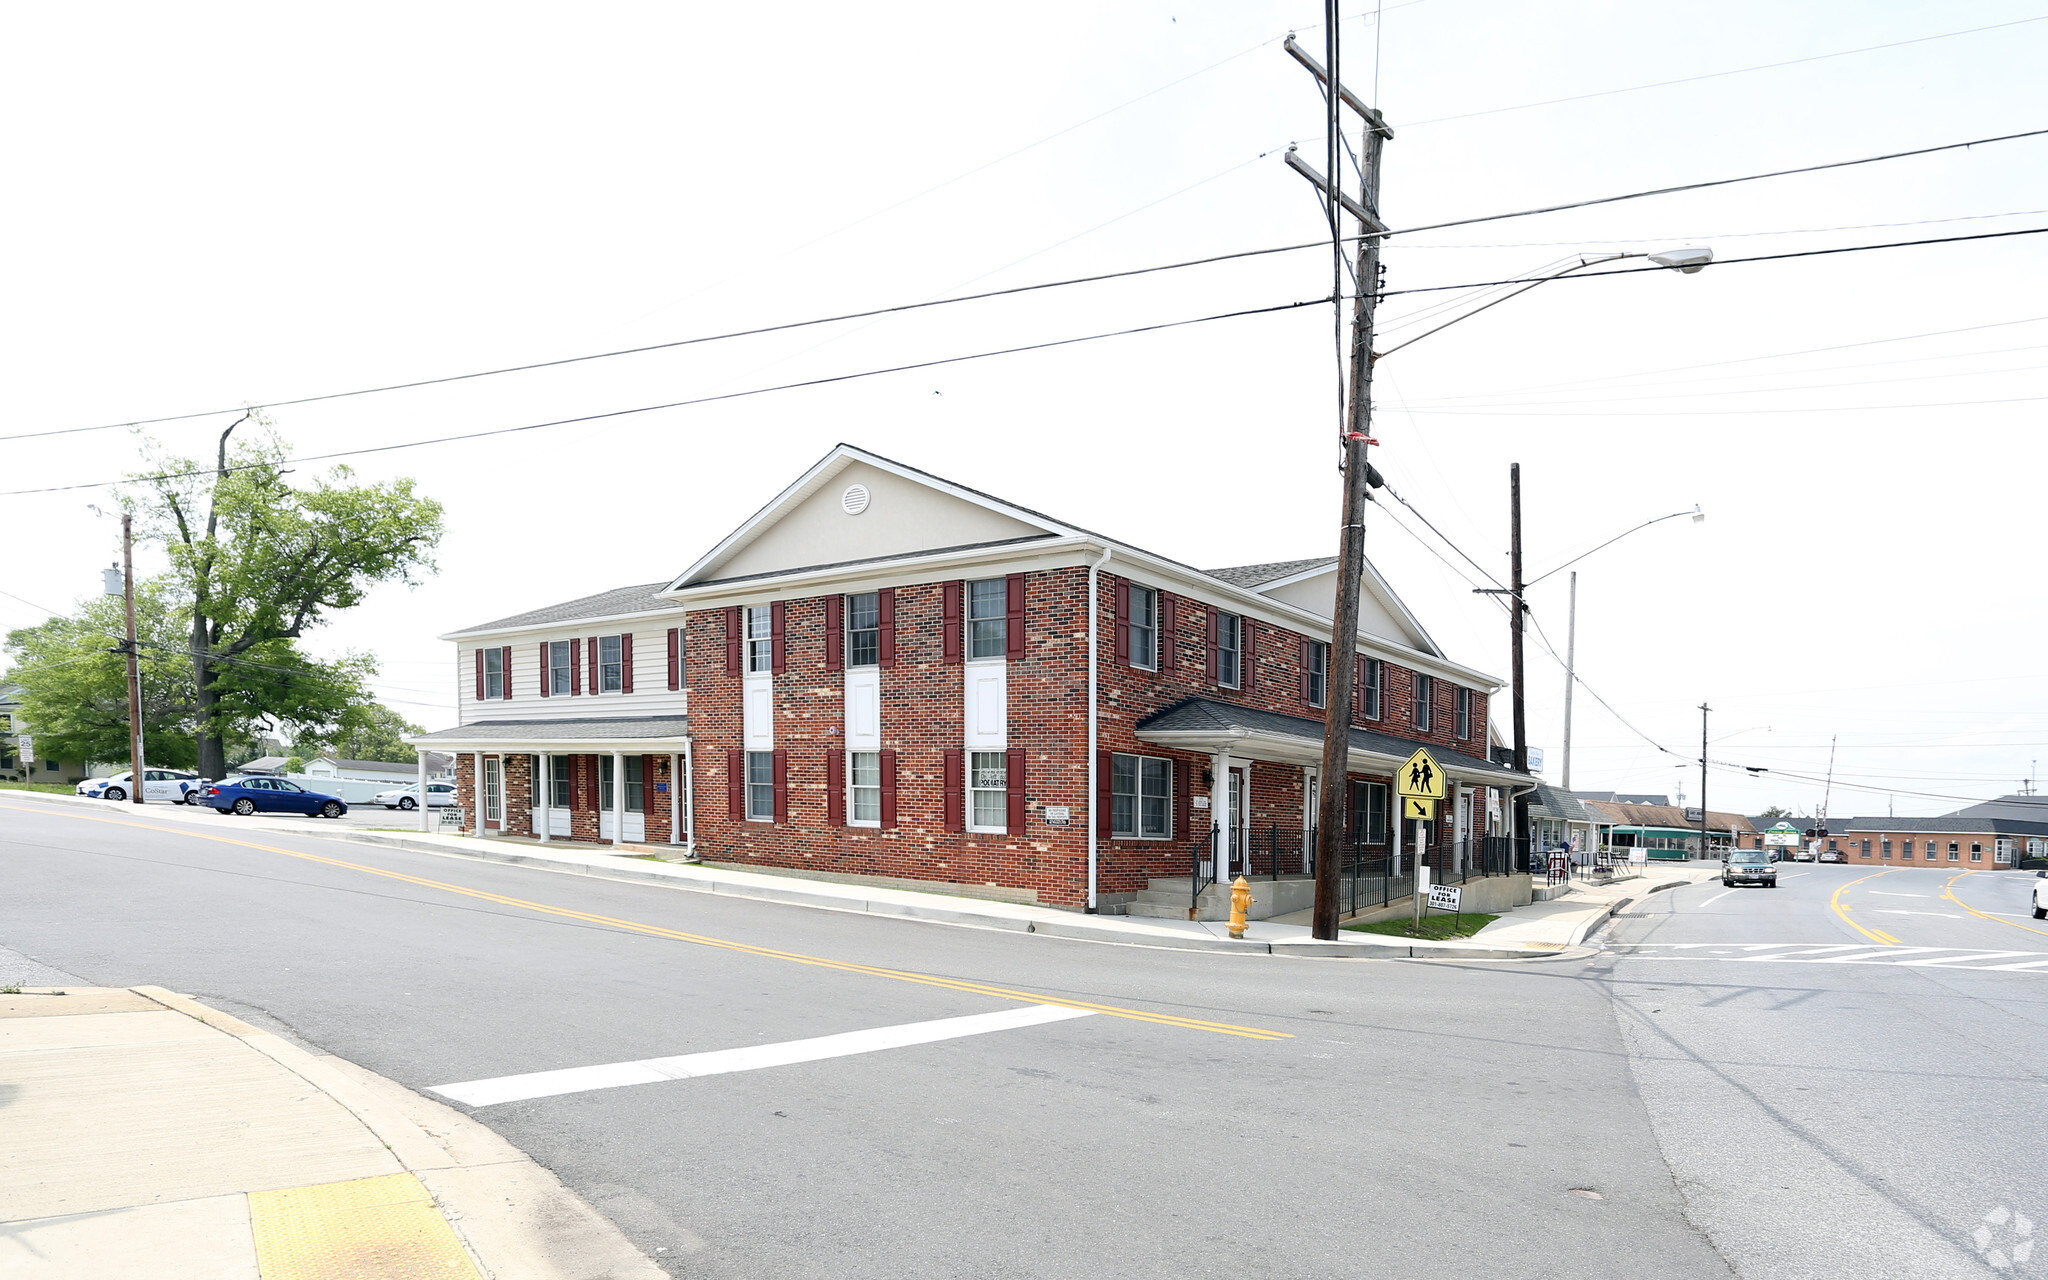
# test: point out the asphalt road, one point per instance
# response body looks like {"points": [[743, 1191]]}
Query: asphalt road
{"points": [[1217, 1115]]}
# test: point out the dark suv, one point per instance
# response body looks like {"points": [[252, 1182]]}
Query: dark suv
{"points": [[1749, 867]]}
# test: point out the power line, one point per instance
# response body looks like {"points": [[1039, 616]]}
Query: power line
{"points": [[1716, 75], [1736, 235], [1505, 402], [1716, 413], [1718, 182], [678, 404]]}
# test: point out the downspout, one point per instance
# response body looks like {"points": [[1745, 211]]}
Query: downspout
{"points": [[689, 803], [1094, 784]]}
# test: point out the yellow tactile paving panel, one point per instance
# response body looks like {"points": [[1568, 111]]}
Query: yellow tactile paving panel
{"points": [[385, 1228]]}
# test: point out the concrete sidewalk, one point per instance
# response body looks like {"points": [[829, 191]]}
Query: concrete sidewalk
{"points": [[149, 1135], [1566, 921], [645, 864]]}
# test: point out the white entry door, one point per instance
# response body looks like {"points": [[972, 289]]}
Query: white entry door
{"points": [[1240, 825]]}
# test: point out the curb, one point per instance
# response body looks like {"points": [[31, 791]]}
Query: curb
{"points": [[515, 1217]]}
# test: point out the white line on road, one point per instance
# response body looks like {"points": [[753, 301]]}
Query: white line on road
{"points": [[1879, 893], [548, 1084], [1717, 897]]}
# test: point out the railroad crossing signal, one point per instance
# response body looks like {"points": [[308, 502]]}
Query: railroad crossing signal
{"points": [[1421, 778]]}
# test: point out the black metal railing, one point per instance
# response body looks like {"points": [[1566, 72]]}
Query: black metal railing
{"points": [[1199, 852]]}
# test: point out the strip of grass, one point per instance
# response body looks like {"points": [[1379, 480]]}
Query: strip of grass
{"points": [[53, 788], [1435, 927]]}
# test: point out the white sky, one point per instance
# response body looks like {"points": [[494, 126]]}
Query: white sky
{"points": [[235, 203]]}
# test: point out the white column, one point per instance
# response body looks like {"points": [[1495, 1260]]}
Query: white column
{"points": [[689, 801], [426, 821], [543, 793], [1220, 814], [476, 795], [618, 799], [675, 798]]}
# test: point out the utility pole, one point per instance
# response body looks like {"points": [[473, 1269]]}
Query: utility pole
{"points": [[134, 668], [1343, 652], [1706, 849], [1571, 653], [1517, 624]]}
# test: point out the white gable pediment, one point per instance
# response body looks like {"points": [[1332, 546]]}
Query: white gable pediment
{"points": [[854, 506], [1380, 612]]}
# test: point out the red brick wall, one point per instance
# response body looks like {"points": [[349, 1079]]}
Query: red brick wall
{"points": [[1852, 845]]}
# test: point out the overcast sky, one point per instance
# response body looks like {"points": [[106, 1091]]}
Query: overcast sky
{"points": [[228, 203]]}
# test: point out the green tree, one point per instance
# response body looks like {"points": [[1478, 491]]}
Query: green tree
{"points": [[262, 562], [1775, 812], [371, 732], [74, 685]]}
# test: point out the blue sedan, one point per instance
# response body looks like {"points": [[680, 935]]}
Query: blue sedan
{"points": [[272, 795]]}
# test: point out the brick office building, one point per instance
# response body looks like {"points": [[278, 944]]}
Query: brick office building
{"points": [[886, 674], [1995, 833]]}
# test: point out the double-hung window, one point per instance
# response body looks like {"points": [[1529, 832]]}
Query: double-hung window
{"points": [[1370, 698], [760, 638], [1464, 712], [558, 782], [1229, 650], [1369, 812], [1425, 694], [1976, 851], [988, 785], [1318, 673], [1907, 852], [864, 633], [1887, 850], [636, 788], [988, 618], [1144, 627], [560, 669], [1140, 797], [494, 673], [866, 788], [611, 664], [761, 784]]}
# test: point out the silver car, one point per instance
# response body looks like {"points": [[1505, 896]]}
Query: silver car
{"points": [[439, 794]]}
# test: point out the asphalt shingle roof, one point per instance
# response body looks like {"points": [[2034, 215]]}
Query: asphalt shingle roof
{"points": [[1253, 576], [604, 604], [1195, 715]]}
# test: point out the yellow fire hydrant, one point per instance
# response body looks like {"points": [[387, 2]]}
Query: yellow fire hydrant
{"points": [[1240, 903]]}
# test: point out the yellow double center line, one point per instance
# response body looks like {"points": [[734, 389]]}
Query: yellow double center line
{"points": [[1948, 891], [702, 940], [1835, 901]]}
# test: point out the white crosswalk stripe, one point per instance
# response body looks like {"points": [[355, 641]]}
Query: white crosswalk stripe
{"points": [[1948, 958]]}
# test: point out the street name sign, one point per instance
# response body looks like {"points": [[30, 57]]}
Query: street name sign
{"points": [[1444, 897], [1422, 777]]}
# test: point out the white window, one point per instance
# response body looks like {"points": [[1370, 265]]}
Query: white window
{"points": [[866, 788], [1140, 797], [558, 782], [561, 668], [1229, 650], [636, 791], [1369, 812], [988, 627], [761, 784], [1144, 627], [988, 786], [1370, 698], [494, 673], [1464, 713], [611, 666], [1425, 694], [760, 639], [1318, 673], [864, 629]]}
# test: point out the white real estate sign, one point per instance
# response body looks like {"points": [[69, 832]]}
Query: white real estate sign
{"points": [[1444, 897], [1781, 836]]}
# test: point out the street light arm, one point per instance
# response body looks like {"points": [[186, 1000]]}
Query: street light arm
{"points": [[1583, 262], [1610, 542]]}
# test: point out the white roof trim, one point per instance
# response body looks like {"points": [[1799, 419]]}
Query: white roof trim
{"points": [[820, 474], [564, 624], [1384, 590]]}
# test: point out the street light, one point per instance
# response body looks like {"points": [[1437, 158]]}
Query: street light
{"points": [[1689, 260]]}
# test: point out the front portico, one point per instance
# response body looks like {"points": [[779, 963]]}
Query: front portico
{"points": [[622, 780]]}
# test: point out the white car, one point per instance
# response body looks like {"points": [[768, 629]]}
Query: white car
{"points": [[438, 795], [174, 785], [2040, 896]]}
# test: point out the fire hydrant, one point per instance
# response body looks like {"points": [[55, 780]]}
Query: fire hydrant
{"points": [[1240, 903]]}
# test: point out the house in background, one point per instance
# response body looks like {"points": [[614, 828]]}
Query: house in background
{"points": [[12, 767], [440, 767], [885, 674]]}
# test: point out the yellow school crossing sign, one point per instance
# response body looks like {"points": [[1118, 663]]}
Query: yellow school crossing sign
{"points": [[1421, 784]]}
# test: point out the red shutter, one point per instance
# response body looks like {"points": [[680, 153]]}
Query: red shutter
{"points": [[1215, 645], [736, 784], [888, 788], [505, 667], [626, 663], [781, 786], [1305, 656], [1016, 791], [885, 655], [675, 657], [1123, 620], [956, 813], [1183, 802], [949, 622], [1169, 639], [1102, 793], [547, 677], [479, 675], [595, 687], [835, 634], [1247, 664], [835, 787], [778, 639], [732, 641], [575, 667], [1358, 689], [1013, 649]]}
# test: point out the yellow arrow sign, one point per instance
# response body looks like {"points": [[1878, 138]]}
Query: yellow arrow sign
{"points": [[1419, 808], [1421, 776]]}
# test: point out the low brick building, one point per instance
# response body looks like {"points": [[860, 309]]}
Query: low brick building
{"points": [[886, 674], [1995, 833]]}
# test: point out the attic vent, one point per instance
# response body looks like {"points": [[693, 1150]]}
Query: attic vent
{"points": [[855, 499]]}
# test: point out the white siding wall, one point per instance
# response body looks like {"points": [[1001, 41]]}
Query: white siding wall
{"points": [[651, 695]]}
